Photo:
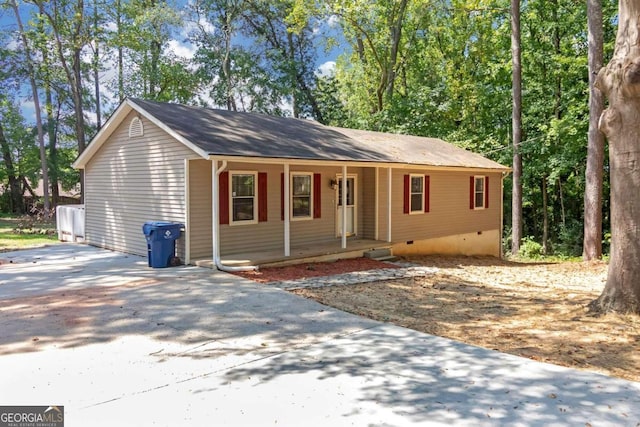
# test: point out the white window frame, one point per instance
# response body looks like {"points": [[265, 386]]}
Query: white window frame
{"points": [[301, 218], [475, 191], [421, 211], [255, 198]]}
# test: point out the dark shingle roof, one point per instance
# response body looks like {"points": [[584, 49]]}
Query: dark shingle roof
{"points": [[221, 132]]}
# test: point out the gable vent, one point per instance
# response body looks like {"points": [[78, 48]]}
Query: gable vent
{"points": [[135, 128]]}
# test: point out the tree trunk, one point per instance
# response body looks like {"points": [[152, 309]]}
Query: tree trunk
{"points": [[120, 51], [96, 65], [16, 201], [563, 215], [545, 217], [36, 107], [395, 37], [51, 130], [620, 82], [516, 123], [73, 72], [290, 55], [227, 30], [79, 113], [592, 245]]}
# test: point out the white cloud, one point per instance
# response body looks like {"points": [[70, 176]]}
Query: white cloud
{"points": [[333, 21], [181, 49], [326, 69]]}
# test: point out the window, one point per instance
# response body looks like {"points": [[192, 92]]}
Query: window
{"points": [[301, 195], [479, 192], [243, 197], [417, 193]]}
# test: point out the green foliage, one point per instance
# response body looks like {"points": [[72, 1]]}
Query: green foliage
{"points": [[570, 239], [21, 142], [437, 68], [530, 249], [455, 83]]}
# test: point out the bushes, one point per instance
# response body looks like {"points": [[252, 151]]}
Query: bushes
{"points": [[529, 248], [567, 243]]}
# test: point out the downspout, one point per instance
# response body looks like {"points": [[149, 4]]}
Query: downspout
{"points": [[215, 208]]}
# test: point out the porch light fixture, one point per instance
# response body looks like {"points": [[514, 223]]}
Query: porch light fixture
{"points": [[333, 184]]}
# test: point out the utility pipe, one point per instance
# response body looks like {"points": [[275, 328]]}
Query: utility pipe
{"points": [[215, 207]]}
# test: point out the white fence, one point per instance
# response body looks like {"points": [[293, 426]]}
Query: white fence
{"points": [[70, 223]]}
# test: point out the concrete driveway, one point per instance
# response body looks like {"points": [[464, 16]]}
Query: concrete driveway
{"points": [[118, 343]]}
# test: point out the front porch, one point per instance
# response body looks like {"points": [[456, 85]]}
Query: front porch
{"points": [[324, 252]]}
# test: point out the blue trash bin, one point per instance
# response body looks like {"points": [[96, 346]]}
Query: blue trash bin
{"points": [[161, 242]]}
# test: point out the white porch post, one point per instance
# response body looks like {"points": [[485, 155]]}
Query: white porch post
{"points": [[287, 223], [215, 236], [344, 207], [389, 205]]}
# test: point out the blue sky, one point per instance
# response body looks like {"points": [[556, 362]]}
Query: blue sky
{"points": [[325, 61]]}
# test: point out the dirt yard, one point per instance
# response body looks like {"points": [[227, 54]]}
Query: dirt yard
{"points": [[534, 310]]}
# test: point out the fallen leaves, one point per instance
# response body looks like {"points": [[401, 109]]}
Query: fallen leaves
{"points": [[533, 310]]}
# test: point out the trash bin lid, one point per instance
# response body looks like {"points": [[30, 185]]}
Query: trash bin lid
{"points": [[151, 226]]}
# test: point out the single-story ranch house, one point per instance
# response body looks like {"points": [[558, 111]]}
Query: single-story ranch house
{"points": [[256, 189]]}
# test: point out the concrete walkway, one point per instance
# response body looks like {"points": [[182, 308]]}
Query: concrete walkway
{"points": [[118, 343]]}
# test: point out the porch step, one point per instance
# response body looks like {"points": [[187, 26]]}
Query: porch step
{"points": [[389, 258], [381, 254]]}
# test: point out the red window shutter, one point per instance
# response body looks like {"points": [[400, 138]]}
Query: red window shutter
{"points": [[262, 196], [472, 192], [223, 193], [426, 193], [486, 192], [317, 195], [282, 196], [406, 194]]}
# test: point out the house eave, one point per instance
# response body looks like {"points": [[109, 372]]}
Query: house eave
{"points": [[351, 163]]}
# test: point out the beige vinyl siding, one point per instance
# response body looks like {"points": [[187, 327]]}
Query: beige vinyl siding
{"points": [[270, 235], [449, 207], [200, 222], [133, 180], [449, 215], [323, 229], [263, 235]]}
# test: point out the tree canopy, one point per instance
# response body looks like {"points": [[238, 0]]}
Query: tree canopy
{"points": [[424, 67]]}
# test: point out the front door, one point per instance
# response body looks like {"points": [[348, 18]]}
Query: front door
{"points": [[350, 206]]}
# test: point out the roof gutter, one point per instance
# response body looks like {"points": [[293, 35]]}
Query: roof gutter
{"points": [[215, 207], [352, 163]]}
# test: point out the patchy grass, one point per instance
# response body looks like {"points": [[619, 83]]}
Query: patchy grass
{"points": [[23, 233]]}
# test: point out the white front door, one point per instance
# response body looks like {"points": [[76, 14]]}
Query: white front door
{"points": [[350, 205]]}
